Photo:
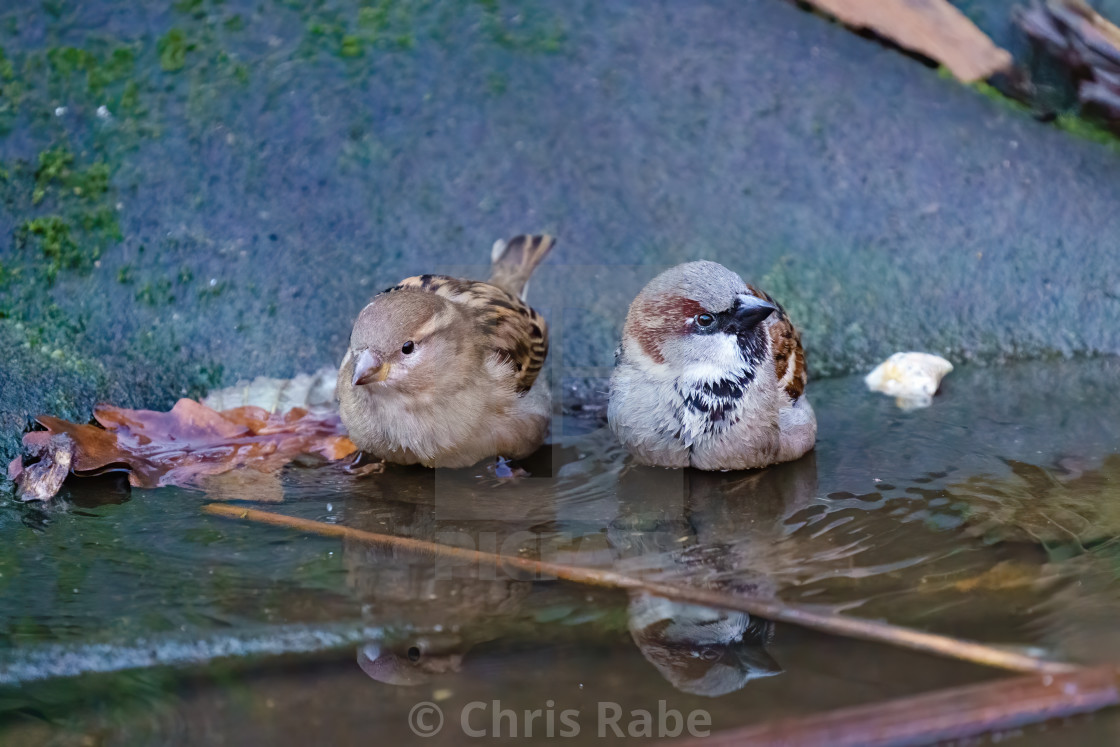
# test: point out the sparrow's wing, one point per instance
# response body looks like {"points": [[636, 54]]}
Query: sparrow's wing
{"points": [[785, 343], [789, 358], [519, 335]]}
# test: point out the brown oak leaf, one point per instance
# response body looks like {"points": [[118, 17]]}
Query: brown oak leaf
{"points": [[185, 446]]}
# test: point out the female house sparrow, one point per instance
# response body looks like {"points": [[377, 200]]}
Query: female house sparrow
{"points": [[444, 372], [710, 374]]}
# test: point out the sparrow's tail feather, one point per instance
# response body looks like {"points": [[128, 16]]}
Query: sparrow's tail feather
{"points": [[513, 261]]}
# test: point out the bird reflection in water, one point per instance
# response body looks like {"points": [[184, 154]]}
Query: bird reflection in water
{"points": [[435, 610], [714, 530], [414, 661], [700, 650], [718, 531]]}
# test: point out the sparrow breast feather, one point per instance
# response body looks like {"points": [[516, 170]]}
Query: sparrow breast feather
{"points": [[710, 374]]}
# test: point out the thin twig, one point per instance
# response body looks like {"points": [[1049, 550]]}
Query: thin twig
{"points": [[949, 714], [850, 627]]}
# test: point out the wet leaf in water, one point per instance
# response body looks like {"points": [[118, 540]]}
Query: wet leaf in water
{"points": [[15, 468], [189, 445], [41, 480]]}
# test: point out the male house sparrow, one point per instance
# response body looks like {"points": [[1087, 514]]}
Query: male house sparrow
{"points": [[444, 372], [710, 374]]}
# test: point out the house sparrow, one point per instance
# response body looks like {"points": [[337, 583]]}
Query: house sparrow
{"points": [[710, 374], [444, 372]]}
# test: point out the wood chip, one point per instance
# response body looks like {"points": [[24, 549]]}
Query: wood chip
{"points": [[933, 28]]}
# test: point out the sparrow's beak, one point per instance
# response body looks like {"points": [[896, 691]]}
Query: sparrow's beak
{"points": [[749, 311], [369, 368]]}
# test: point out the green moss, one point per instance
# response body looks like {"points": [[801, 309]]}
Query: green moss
{"points": [[100, 74], [130, 98], [117, 67], [320, 28], [211, 290], [992, 93], [65, 61], [55, 169], [1068, 121], [536, 36], [240, 73], [7, 70], [385, 24], [173, 48], [124, 275], [191, 7], [54, 163], [373, 21], [497, 83], [78, 223], [156, 293], [350, 46], [53, 236], [101, 224], [1087, 129], [91, 183]]}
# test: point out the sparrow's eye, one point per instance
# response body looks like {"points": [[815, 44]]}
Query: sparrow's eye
{"points": [[705, 321], [408, 347]]}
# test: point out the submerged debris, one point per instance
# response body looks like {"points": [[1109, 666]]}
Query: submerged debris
{"points": [[911, 378], [187, 446], [1069, 504]]}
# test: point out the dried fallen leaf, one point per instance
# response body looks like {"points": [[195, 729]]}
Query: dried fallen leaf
{"points": [[933, 28], [313, 392], [41, 480], [190, 444], [15, 468]]}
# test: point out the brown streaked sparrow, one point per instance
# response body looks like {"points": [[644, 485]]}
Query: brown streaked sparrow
{"points": [[444, 372], [710, 374]]}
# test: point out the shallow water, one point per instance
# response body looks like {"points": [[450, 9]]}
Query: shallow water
{"points": [[993, 515]]}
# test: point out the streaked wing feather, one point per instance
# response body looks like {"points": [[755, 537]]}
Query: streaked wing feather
{"points": [[789, 358], [785, 343]]}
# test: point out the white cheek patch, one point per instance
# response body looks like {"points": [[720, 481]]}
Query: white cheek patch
{"points": [[724, 358]]}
